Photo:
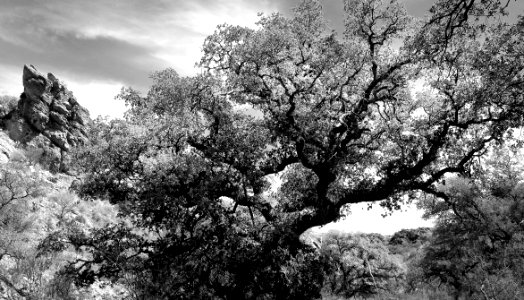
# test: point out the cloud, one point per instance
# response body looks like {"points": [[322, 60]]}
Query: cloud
{"points": [[120, 42], [84, 58], [124, 41], [115, 41], [10, 81], [98, 46]]}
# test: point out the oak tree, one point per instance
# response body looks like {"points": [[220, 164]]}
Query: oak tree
{"points": [[337, 116]]}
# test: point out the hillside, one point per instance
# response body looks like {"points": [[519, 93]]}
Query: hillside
{"points": [[37, 207]]}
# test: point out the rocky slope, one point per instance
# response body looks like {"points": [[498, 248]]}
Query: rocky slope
{"points": [[48, 121], [7, 147]]}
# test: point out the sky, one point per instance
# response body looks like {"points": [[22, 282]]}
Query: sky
{"points": [[99, 46]]}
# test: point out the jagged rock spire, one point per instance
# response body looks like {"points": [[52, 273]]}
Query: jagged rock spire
{"points": [[48, 116]]}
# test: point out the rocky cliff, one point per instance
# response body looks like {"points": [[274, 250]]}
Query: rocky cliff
{"points": [[48, 120]]}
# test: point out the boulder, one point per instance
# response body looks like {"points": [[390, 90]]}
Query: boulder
{"points": [[81, 115], [59, 138], [58, 118], [61, 108]]}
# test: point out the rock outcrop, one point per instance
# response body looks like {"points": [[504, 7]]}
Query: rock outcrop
{"points": [[48, 118]]}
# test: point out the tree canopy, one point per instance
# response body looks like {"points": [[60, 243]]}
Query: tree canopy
{"points": [[476, 248], [387, 108]]}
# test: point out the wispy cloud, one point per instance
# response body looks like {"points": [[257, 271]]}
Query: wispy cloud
{"points": [[120, 42], [114, 40], [98, 46], [84, 58]]}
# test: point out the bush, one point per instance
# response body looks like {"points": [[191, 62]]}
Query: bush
{"points": [[7, 105]]}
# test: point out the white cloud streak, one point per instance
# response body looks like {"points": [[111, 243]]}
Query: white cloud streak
{"points": [[98, 46]]}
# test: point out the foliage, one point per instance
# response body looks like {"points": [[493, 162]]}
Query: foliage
{"points": [[7, 104], [35, 209], [410, 236], [477, 243], [182, 243], [336, 117], [409, 244], [359, 265], [18, 264]]}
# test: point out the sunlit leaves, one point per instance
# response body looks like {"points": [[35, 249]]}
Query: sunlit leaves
{"points": [[339, 120], [359, 265]]}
